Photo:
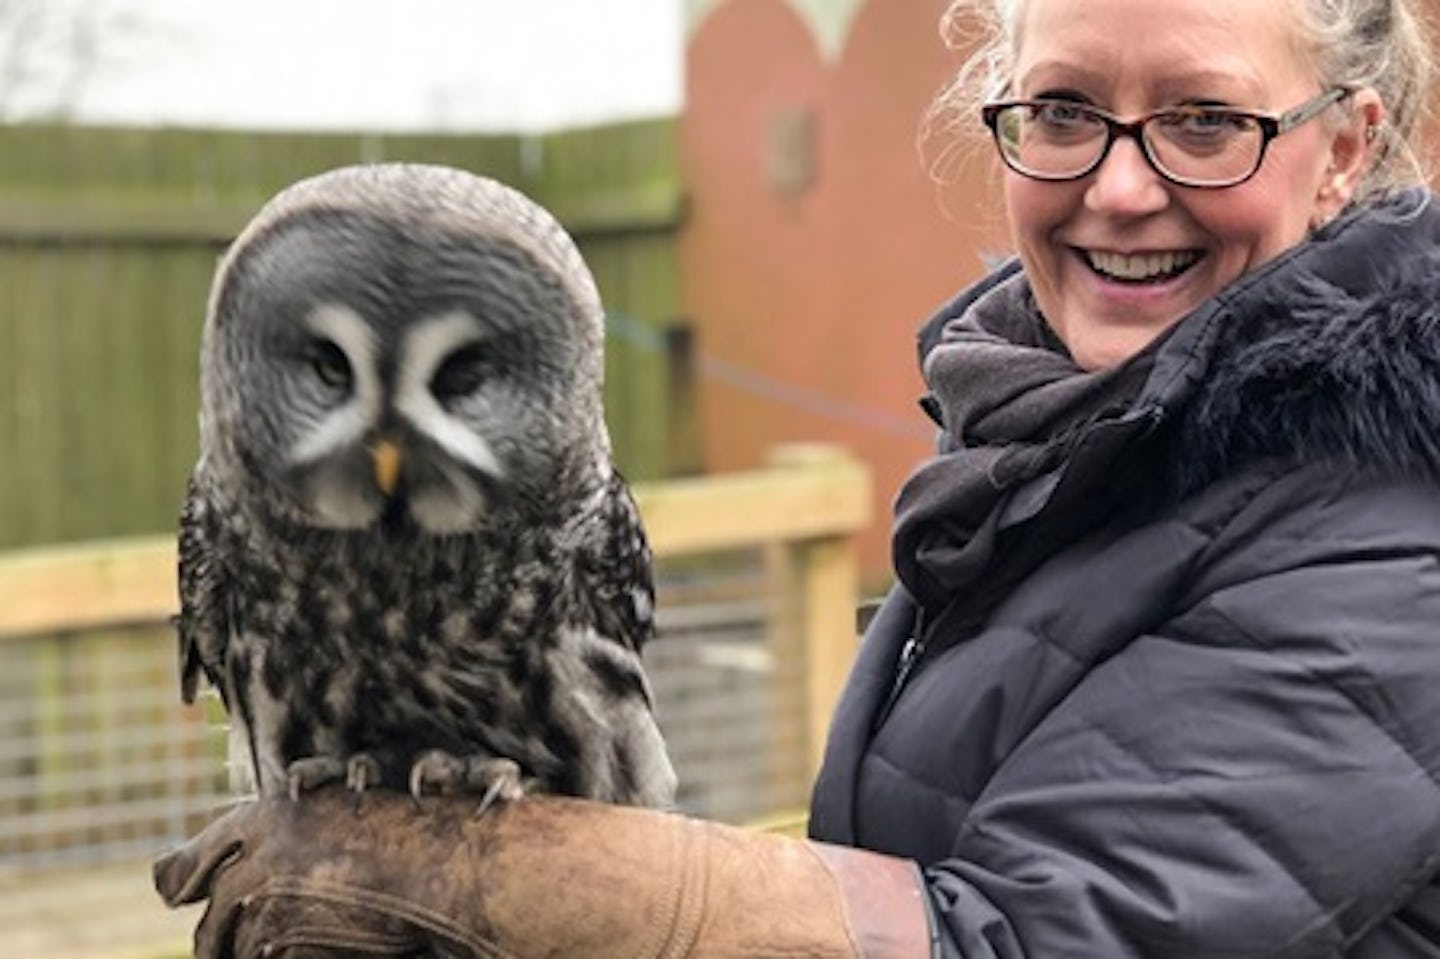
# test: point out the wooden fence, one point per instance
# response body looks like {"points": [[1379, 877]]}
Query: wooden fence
{"points": [[108, 239], [100, 765]]}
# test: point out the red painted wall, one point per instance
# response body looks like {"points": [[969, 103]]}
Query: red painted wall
{"points": [[806, 301]]}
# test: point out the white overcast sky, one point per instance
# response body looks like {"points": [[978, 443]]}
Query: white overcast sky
{"points": [[507, 65]]}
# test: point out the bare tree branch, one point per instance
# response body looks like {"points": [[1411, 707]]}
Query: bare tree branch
{"points": [[50, 50], [20, 22]]}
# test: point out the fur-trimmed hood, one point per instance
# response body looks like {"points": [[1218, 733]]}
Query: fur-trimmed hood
{"points": [[1331, 352]]}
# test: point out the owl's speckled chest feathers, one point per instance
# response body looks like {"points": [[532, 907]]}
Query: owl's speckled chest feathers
{"points": [[395, 642]]}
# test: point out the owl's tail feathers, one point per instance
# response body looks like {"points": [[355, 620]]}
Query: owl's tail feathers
{"points": [[430, 877]]}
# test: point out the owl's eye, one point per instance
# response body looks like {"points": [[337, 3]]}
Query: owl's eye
{"points": [[330, 365], [460, 374]]}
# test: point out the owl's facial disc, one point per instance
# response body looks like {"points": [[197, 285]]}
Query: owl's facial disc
{"points": [[340, 366], [342, 361], [442, 366], [423, 413]]}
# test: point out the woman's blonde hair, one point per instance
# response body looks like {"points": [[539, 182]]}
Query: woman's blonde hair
{"points": [[1383, 44]]}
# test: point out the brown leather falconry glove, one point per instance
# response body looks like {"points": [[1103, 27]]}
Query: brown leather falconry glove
{"points": [[381, 875]]}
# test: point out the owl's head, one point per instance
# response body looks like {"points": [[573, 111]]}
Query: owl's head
{"points": [[402, 342]]}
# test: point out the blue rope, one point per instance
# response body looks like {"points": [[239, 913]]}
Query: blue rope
{"points": [[642, 336]]}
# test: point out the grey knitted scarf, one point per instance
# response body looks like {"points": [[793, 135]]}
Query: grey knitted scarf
{"points": [[1010, 402]]}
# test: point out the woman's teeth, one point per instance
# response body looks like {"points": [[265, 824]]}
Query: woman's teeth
{"points": [[1141, 267]]}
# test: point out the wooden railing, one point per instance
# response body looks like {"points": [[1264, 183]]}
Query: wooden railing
{"points": [[100, 698], [805, 508]]}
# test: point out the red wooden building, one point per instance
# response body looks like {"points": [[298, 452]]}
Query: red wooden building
{"points": [[816, 240]]}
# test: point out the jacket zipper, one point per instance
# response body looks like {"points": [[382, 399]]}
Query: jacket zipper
{"points": [[910, 655]]}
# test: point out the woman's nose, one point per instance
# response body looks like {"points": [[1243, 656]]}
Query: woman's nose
{"points": [[1125, 184]]}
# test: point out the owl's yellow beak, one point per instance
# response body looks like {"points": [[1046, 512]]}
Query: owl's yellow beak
{"points": [[386, 456]]}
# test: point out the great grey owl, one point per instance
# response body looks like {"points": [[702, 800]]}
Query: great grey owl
{"points": [[406, 558]]}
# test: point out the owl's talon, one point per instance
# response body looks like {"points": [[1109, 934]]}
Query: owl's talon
{"points": [[499, 790], [501, 779], [435, 768], [362, 772], [308, 774], [494, 779]]}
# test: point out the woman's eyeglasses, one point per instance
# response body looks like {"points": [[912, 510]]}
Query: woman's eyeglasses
{"points": [[1194, 146]]}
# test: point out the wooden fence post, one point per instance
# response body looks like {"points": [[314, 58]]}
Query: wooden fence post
{"points": [[821, 575]]}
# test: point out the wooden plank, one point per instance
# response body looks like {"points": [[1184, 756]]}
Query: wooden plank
{"points": [[624, 210], [98, 912], [38, 380], [816, 584], [733, 511], [59, 589], [138, 219], [206, 164], [830, 585], [110, 459]]}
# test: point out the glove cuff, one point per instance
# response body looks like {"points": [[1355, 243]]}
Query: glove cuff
{"points": [[886, 904]]}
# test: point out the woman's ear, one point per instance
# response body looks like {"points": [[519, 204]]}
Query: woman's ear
{"points": [[1353, 146]]}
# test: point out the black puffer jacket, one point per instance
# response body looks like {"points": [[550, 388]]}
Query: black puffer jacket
{"points": [[1205, 721]]}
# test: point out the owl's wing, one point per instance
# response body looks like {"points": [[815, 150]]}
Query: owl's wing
{"points": [[616, 573], [626, 761], [204, 622]]}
